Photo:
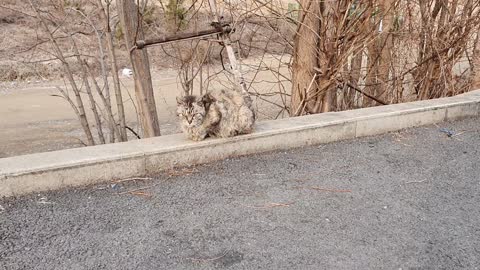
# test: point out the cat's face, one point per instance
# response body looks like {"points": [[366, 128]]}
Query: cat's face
{"points": [[191, 110]]}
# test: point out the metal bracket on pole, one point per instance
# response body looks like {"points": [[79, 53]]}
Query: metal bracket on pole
{"points": [[225, 37]]}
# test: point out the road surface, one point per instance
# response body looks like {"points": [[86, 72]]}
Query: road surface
{"points": [[405, 200]]}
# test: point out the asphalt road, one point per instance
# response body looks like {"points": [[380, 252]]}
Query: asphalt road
{"points": [[407, 200]]}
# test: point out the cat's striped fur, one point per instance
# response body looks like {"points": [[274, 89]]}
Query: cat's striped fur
{"points": [[219, 113]]}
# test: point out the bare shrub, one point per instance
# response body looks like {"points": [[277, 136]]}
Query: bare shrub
{"points": [[366, 53], [66, 33]]}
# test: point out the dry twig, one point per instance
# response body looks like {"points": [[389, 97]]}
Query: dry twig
{"points": [[269, 205], [132, 179], [326, 189], [135, 190], [211, 259]]}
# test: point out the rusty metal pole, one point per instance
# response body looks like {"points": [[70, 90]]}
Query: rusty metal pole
{"points": [[230, 52]]}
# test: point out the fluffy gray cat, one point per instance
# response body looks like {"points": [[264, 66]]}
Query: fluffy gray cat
{"points": [[218, 113]]}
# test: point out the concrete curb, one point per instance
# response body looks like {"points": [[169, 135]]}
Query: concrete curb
{"points": [[82, 166]]}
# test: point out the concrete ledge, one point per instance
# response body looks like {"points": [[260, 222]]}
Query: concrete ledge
{"points": [[82, 166]]}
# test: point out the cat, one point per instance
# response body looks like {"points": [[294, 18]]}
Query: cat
{"points": [[219, 113]]}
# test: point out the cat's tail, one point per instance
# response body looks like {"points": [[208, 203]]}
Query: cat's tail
{"points": [[246, 120], [247, 99]]}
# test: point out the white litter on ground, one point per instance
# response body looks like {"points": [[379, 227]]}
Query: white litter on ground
{"points": [[127, 72]]}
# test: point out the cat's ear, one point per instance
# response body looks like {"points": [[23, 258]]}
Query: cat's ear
{"points": [[207, 99], [179, 100]]}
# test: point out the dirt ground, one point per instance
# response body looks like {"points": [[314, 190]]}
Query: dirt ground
{"points": [[32, 120], [35, 121]]}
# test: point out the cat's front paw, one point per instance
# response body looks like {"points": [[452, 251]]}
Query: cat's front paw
{"points": [[197, 138]]}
